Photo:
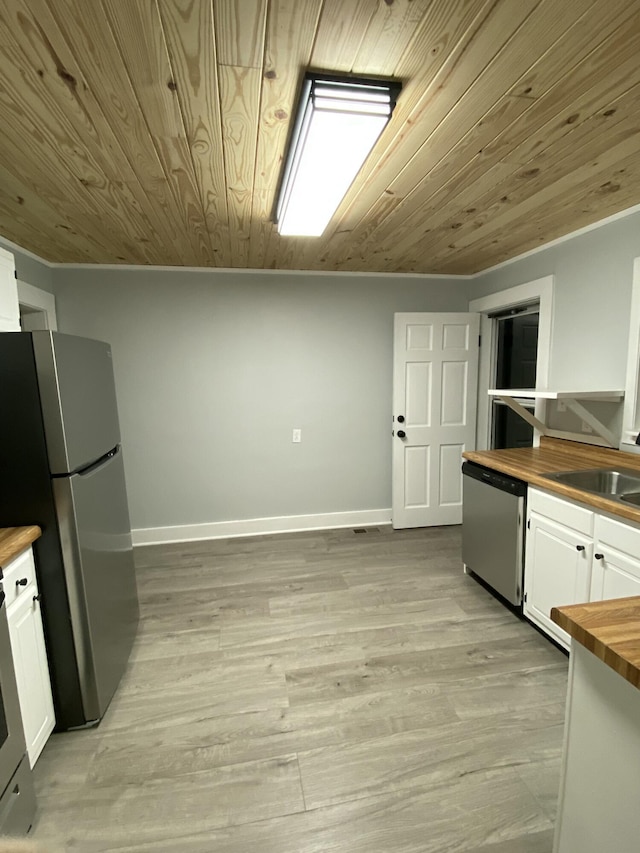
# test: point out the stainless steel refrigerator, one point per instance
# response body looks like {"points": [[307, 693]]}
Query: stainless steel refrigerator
{"points": [[61, 467]]}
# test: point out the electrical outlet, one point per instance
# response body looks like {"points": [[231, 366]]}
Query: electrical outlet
{"points": [[297, 436], [585, 427]]}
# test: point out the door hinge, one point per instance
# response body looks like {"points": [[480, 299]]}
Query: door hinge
{"points": [[525, 598], [479, 340], [528, 524]]}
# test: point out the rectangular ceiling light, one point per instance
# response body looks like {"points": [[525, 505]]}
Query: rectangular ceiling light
{"points": [[339, 121]]}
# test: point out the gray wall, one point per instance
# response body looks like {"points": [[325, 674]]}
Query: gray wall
{"points": [[214, 370], [29, 269], [593, 278]]}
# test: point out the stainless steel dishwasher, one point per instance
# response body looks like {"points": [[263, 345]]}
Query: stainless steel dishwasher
{"points": [[493, 523]]}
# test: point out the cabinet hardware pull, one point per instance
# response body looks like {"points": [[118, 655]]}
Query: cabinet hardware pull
{"points": [[599, 556], [579, 547], [38, 597], [22, 582]]}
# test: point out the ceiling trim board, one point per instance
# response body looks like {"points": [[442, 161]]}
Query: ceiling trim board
{"points": [[11, 245], [622, 214], [287, 272]]}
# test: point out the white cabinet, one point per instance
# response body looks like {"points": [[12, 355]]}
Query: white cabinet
{"points": [[558, 559], [616, 560], [9, 305], [575, 555], [29, 653]]}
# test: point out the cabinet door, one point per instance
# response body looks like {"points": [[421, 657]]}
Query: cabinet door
{"points": [[616, 560], [614, 574], [32, 671], [557, 572]]}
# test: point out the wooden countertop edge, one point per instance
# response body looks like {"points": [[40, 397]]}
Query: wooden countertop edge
{"points": [[608, 629], [14, 540]]}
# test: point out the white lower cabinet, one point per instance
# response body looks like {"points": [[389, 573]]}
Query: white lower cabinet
{"points": [[616, 560], [558, 559], [29, 652], [575, 555]]}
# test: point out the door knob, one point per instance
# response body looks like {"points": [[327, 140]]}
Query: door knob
{"points": [[401, 433], [400, 419]]}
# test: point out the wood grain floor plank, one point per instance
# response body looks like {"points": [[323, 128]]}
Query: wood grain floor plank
{"points": [[313, 692], [475, 811]]}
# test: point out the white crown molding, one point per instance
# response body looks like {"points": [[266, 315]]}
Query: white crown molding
{"points": [[259, 526], [11, 245], [578, 233], [277, 272], [629, 211]]}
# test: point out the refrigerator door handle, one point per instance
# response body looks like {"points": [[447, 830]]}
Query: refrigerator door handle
{"points": [[93, 466]]}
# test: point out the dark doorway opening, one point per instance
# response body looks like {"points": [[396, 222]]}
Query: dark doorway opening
{"points": [[517, 355]]}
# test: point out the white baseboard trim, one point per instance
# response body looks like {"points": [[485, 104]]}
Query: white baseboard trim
{"points": [[259, 526]]}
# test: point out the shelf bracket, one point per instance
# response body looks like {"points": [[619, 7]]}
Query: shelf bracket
{"points": [[525, 414], [589, 418]]}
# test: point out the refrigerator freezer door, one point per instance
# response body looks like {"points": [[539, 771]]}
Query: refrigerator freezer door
{"points": [[98, 562], [78, 399]]}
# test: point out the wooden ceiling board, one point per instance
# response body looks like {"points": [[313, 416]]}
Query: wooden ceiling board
{"points": [[557, 111], [557, 182], [440, 40], [289, 39], [391, 31], [448, 125], [555, 156], [473, 38], [602, 197], [137, 29], [37, 218], [189, 34], [54, 114], [240, 88], [552, 164], [104, 95], [240, 28], [240, 97], [339, 36], [155, 130]]}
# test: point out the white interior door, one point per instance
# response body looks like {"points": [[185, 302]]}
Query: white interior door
{"points": [[435, 377]]}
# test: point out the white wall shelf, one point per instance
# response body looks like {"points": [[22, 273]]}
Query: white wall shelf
{"points": [[514, 397]]}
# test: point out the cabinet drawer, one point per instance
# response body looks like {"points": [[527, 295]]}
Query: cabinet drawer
{"points": [[562, 511], [619, 535], [23, 567]]}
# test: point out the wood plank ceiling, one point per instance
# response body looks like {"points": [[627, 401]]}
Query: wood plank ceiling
{"points": [[153, 131]]}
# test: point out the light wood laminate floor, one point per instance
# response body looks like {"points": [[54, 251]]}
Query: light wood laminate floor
{"points": [[330, 692]]}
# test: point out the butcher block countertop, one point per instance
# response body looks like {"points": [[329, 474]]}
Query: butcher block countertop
{"points": [[608, 629], [13, 540], [553, 455]]}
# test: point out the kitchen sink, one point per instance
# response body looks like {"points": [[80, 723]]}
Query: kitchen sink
{"points": [[608, 482], [631, 498]]}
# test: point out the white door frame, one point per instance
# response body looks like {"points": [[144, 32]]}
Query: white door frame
{"points": [[39, 300], [540, 290], [631, 416]]}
